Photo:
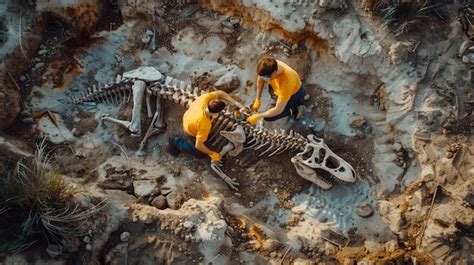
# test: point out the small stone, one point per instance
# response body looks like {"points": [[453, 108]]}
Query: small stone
{"points": [[88, 247], [28, 120], [42, 51], [159, 202], [273, 254], [188, 225], [22, 78], [227, 30], [397, 147], [238, 195], [39, 65], [294, 46], [250, 204], [364, 209], [125, 236], [146, 39], [149, 32], [86, 239], [174, 200], [449, 154], [228, 24], [357, 121], [54, 250], [234, 21], [306, 97]]}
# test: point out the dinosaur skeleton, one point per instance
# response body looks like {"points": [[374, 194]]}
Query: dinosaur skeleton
{"points": [[230, 135]]}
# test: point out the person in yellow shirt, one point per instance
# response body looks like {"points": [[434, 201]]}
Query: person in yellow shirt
{"points": [[284, 84], [197, 124]]}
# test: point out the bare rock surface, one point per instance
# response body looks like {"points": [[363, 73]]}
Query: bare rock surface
{"points": [[228, 82], [144, 188]]}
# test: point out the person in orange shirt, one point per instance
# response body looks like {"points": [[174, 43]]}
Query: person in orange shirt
{"points": [[284, 84], [197, 124]]}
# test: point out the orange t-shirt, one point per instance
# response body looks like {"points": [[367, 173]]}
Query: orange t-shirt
{"points": [[195, 121], [286, 84]]}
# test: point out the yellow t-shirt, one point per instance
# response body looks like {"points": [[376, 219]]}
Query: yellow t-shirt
{"points": [[286, 84], [195, 121]]}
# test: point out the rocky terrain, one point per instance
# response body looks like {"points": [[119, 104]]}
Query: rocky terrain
{"points": [[393, 99]]}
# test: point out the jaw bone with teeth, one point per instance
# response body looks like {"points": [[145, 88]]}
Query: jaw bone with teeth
{"points": [[317, 155]]}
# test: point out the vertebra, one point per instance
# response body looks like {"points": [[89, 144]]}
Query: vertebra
{"points": [[228, 134]]}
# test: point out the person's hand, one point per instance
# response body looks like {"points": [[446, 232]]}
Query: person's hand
{"points": [[253, 119], [215, 157], [256, 105]]}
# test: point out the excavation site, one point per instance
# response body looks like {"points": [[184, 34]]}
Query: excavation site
{"points": [[236, 132]]}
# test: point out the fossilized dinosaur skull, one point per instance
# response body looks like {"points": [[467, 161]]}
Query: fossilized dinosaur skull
{"points": [[145, 73], [317, 155]]}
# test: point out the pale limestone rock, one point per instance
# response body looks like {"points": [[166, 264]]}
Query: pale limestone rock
{"points": [[144, 188], [174, 200], [357, 121], [391, 246], [271, 245], [391, 215], [228, 82], [399, 51]]}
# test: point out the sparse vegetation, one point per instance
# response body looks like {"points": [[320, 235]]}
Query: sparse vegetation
{"points": [[400, 16], [37, 204]]}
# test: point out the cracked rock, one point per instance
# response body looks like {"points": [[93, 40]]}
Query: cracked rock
{"points": [[357, 121], [174, 200], [144, 188], [228, 82]]}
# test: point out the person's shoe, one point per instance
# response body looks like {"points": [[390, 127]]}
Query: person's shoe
{"points": [[172, 148], [300, 112]]}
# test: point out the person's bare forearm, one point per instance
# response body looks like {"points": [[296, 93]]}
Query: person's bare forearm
{"points": [[235, 102], [280, 106], [203, 148], [260, 83], [229, 99]]}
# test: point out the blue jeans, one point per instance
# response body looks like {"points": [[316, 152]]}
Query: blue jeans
{"points": [[291, 106], [187, 144]]}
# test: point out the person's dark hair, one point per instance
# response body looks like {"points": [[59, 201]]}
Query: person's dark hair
{"points": [[266, 66], [215, 106]]}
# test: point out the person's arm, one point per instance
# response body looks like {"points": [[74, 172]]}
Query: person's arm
{"points": [[202, 133], [279, 107], [202, 147], [228, 98], [260, 83]]}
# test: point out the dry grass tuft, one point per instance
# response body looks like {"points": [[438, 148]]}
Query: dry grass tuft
{"points": [[37, 204], [401, 16]]}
